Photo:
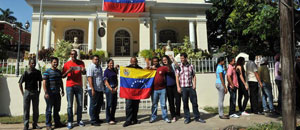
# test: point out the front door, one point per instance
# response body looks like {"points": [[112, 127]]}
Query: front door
{"points": [[122, 43]]}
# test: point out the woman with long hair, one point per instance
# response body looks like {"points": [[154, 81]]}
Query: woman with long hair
{"points": [[243, 86], [111, 91], [172, 94], [220, 85]]}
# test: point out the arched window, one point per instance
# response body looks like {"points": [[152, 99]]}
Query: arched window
{"points": [[71, 33], [165, 35]]}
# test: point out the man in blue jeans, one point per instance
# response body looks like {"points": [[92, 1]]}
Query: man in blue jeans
{"points": [[95, 90], [159, 91], [73, 70], [53, 85], [186, 85]]}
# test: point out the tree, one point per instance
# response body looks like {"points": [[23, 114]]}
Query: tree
{"points": [[4, 42], [254, 25], [62, 50], [7, 16]]}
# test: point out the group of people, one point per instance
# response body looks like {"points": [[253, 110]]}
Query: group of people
{"points": [[246, 81], [172, 81]]}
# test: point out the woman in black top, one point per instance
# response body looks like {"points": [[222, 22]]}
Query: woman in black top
{"points": [[243, 87]]}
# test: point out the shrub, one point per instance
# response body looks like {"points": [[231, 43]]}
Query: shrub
{"points": [[45, 54], [62, 50], [4, 42], [102, 54], [147, 54]]}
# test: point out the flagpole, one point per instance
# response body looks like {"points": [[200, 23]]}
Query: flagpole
{"points": [[38, 42]]}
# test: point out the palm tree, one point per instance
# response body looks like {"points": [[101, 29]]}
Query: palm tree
{"points": [[7, 15]]}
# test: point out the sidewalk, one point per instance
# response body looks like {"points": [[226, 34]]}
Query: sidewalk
{"points": [[213, 122]]}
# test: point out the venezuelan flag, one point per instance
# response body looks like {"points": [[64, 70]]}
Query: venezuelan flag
{"points": [[124, 6], [135, 84]]}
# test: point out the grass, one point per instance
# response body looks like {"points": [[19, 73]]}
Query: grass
{"points": [[266, 126], [19, 119], [214, 110]]}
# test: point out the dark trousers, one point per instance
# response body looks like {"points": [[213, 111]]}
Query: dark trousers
{"points": [[189, 92], [96, 102], [34, 98], [132, 108], [111, 105], [255, 105], [54, 101], [232, 100], [242, 93], [174, 100], [279, 84]]}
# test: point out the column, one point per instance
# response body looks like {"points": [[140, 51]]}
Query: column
{"points": [[91, 34], [102, 41], [202, 35], [48, 34], [154, 31], [144, 33], [34, 35], [192, 33]]}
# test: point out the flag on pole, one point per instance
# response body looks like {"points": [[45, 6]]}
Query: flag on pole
{"points": [[124, 6], [135, 84]]}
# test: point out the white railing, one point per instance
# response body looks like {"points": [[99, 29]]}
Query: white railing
{"points": [[84, 47]]}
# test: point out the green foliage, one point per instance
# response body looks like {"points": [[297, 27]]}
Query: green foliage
{"points": [[6, 15], [187, 48], [160, 52], [267, 126], [4, 42], [62, 50], [102, 54], [254, 25], [19, 119], [45, 54], [147, 54]]}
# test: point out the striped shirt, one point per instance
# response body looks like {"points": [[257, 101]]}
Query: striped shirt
{"points": [[53, 80], [186, 73]]}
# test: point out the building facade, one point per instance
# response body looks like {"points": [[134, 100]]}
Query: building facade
{"points": [[7, 28], [125, 33]]}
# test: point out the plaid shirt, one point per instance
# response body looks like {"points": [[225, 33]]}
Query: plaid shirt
{"points": [[186, 74]]}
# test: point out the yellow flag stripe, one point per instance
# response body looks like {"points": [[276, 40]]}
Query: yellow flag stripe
{"points": [[127, 72]]}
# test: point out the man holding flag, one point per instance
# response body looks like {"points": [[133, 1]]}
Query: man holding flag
{"points": [[132, 106]]}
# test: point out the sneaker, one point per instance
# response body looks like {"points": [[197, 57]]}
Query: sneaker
{"points": [[111, 122], [36, 127], [25, 128], [81, 124], [69, 125], [186, 121], [234, 116], [174, 119], [151, 120], [245, 114], [223, 117], [167, 120], [200, 120], [48, 128]]}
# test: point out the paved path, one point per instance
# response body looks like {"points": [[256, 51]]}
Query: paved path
{"points": [[213, 123]]}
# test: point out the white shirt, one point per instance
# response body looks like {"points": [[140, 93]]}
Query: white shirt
{"points": [[250, 69]]}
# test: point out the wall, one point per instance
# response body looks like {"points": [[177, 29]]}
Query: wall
{"points": [[12, 102]]}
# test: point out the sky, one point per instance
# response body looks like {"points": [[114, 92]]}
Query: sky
{"points": [[22, 11]]}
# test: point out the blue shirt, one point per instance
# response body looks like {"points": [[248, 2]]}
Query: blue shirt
{"points": [[112, 77], [220, 69], [53, 80], [97, 77], [170, 77]]}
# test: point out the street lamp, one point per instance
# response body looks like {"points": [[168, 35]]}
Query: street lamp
{"points": [[27, 25]]}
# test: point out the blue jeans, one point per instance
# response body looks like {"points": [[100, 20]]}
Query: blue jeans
{"points": [[54, 102], [189, 92], [78, 92], [232, 100], [111, 105], [96, 102], [267, 94], [159, 95]]}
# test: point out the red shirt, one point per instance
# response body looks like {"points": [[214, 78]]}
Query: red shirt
{"points": [[74, 77], [159, 79]]}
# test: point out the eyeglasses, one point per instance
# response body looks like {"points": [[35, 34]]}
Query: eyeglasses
{"points": [[72, 54]]}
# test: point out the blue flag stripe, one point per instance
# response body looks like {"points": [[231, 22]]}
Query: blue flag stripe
{"points": [[125, 1], [136, 83]]}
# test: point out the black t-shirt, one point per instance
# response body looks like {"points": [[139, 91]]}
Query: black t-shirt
{"points": [[31, 78], [137, 66]]}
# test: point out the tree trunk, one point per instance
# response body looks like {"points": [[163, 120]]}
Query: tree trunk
{"points": [[287, 61]]}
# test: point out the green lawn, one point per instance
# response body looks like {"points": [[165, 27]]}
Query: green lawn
{"points": [[19, 119]]}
